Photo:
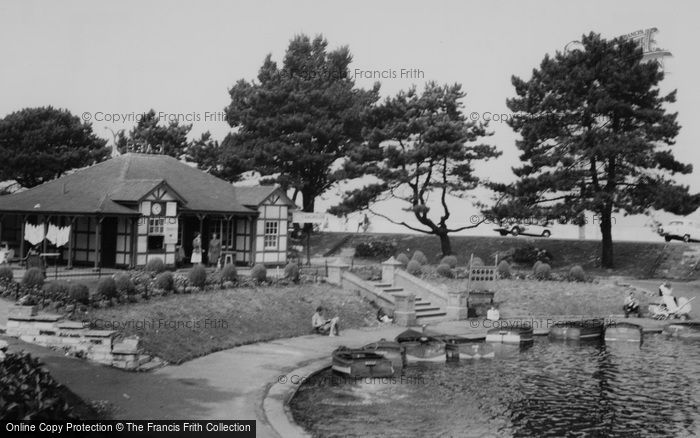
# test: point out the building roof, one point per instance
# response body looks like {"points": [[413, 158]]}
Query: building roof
{"points": [[105, 187]]}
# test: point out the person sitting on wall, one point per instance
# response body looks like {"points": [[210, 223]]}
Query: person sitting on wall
{"points": [[631, 305], [323, 325], [493, 314], [382, 316]]}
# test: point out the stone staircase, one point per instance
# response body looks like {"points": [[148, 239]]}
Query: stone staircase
{"points": [[425, 310]]}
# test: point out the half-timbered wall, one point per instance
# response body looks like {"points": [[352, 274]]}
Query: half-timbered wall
{"points": [[271, 232]]}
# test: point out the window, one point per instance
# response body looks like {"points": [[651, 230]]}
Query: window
{"points": [[156, 233], [271, 234], [156, 226]]}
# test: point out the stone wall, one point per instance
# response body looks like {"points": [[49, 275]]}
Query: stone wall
{"points": [[73, 338]]}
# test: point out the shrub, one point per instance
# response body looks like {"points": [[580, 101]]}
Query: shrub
{"points": [[543, 271], [124, 284], [403, 259], [476, 261], [33, 278], [229, 273], [529, 255], [444, 270], [576, 273], [6, 273], [419, 257], [198, 276], [258, 273], [165, 281], [414, 268], [79, 293], [57, 289], [375, 248], [29, 392], [504, 269], [107, 288], [155, 265], [450, 261], [291, 272]]}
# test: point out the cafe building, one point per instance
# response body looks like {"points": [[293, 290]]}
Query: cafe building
{"points": [[132, 208]]}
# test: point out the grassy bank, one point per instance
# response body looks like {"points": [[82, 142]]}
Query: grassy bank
{"points": [[635, 259], [545, 298], [177, 328]]}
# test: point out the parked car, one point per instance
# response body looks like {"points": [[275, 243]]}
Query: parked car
{"points": [[526, 230], [684, 230]]}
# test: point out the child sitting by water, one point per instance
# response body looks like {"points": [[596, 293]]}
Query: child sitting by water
{"points": [[631, 305], [324, 326]]}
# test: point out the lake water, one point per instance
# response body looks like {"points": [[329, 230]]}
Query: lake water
{"points": [[548, 390]]}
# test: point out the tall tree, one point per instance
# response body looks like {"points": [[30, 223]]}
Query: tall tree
{"points": [[219, 159], [595, 136], [149, 136], [296, 121], [420, 145], [40, 144]]}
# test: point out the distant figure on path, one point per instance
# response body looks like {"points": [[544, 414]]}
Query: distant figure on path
{"points": [[323, 325], [382, 316], [365, 224], [214, 250]]}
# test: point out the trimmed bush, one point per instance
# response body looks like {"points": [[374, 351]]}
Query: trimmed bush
{"points": [[198, 276], [403, 259], [375, 248], [419, 257], [229, 273], [414, 268], [259, 273], [476, 261], [79, 293], [530, 255], [56, 289], [534, 267], [6, 273], [155, 265], [107, 288], [450, 261], [543, 271], [33, 278], [576, 273], [291, 272], [444, 270], [124, 284], [165, 281], [503, 269]]}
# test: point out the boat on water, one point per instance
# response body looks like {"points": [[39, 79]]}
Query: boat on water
{"points": [[391, 350], [580, 330], [361, 363], [689, 330], [510, 335], [421, 347], [624, 332]]}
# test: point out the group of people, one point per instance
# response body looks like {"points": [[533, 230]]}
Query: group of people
{"points": [[329, 326], [197, 257], [669, 304]]}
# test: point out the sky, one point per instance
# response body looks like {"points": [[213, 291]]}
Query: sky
{"points": [[100, 58]]}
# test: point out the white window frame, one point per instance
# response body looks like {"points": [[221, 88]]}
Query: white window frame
{"points": [[271, 236], [156, 226]]}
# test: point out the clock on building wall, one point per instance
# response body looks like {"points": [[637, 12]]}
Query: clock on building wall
{"points": [[156, 209]]}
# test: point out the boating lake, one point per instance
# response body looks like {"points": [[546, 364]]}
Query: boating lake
{"points": [[551, 389]]}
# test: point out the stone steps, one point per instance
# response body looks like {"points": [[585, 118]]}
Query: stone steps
{"points": [[425, 310]]}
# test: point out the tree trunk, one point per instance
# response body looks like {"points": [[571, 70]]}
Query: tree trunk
{"points": [[445, 243], [309, 200], [606, 231]]}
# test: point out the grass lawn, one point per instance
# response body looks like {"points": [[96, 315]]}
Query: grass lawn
{"points": [[634, 259], [544, 298], [177, 328]]}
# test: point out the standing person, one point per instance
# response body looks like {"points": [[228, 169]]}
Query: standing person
{"points": [[214, 250], [365, 224], [196, 249]]}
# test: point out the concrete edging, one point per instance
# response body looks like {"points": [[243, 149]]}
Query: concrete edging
{"points": [[276, 400]]}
